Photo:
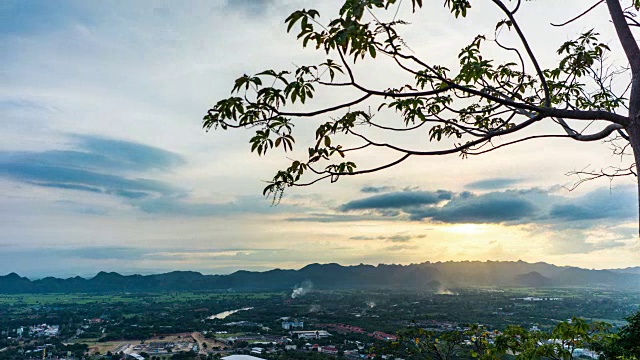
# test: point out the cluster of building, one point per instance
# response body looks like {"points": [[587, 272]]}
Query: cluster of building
{"points": [[383, 336], [156, 348], [344, 328], [311, 334], [435, 325], [263, 339], [42, 330], [244, 323], [329, 349]]}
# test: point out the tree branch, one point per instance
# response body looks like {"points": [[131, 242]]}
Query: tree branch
{"points": [[456, 149], [625, 35], [525, 43], [547, 111], [609, 172], [579, 16], [599, 135], [324, 111]]}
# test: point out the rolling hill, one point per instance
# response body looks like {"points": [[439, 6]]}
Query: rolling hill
{"points": [[426, 275]]}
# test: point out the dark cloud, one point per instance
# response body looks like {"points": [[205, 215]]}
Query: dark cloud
{"points": [[398, 200], [59, 176], [497, 207], [92, 153], [493, 184], [330, 218], [401, 247], [376, 189], [71, 187], [574, 212], [130, 155], [117, 168], [399, 238], [465, 207], [361, 237], [620, 204], [510, 207]]}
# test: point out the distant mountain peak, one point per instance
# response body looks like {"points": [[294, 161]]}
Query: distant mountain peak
{"points": [[532, 279], [424, 276], [13, 276], [108, 275]]}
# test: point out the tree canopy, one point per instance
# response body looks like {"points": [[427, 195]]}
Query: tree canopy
{"points": [[567, 340], [480, 106]]}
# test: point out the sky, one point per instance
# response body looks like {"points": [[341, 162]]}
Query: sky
{"points": [[104, 164]]}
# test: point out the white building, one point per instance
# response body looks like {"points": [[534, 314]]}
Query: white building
{"points": [[288, 325], [312, 334], [241, 357], [136, 356], [585, 353]]}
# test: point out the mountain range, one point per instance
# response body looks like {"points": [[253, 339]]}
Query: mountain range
{"points": [[428, 275]]}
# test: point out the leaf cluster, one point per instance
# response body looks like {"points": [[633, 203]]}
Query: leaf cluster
{"points": [[479, 101]]}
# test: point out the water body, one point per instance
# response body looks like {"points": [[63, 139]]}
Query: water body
{"points": [[224, 314]]}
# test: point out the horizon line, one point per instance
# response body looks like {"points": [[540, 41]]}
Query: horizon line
{"points": [[137, 273]]}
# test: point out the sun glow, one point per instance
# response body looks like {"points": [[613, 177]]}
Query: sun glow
{"points": [[465, 229]]}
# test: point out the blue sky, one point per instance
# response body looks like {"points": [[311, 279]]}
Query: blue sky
{"points": [[104, 165]]}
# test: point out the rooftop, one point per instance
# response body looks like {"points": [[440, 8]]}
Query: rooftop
{"points": [[241, 357]]}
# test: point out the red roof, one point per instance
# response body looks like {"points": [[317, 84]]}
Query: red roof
{"points": [[383, 336]]}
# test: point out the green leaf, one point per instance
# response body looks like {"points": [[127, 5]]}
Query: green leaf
{"points": [[372, 51]]}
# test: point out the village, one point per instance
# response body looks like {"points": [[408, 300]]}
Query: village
{"points": [[319, 325], [242, 346], [216, 344]]}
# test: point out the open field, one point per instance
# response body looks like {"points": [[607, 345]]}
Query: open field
{"points": [[104, 347], [211, 343], [48, 299], [122, 345], [83, 299]]}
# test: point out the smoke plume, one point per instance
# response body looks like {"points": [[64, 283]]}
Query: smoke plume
{"points": [[443, 291], [301, 289]]}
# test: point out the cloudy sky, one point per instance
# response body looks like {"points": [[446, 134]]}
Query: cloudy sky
{"points": [[104, 165]]}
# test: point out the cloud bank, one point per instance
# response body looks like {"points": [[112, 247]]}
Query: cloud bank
{"points": [[507, 207], [120, 169]]}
